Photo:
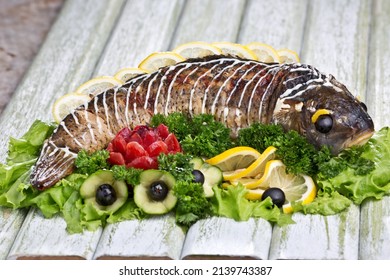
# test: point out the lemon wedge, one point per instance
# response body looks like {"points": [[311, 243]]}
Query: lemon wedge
{"points": [[235, 158], [98, 85], [288, 56], [265, 53], [66, 104], [159, 59], [297, 188], [235, 50], [126, 74], [256, 169], [196, 49]]}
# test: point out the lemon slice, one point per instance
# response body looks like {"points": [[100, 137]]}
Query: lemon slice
{"points": [[265, 53], [256, 169], [297, 188], [235, 158], [254, 194], [66, 104], [235, 50], [197, 49], [288, 56], [126, 74], [159, 59], [98, 85]]}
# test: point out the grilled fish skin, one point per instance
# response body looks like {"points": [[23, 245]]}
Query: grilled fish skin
{"points": [[236, 91]]}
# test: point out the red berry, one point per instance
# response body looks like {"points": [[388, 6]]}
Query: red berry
{"points": [[119, 144], [172, 143], [162, 131], [125, 133], [157, 148], [135, 137], [133, 151], [149, 138], [144, 162], [116, 159]]}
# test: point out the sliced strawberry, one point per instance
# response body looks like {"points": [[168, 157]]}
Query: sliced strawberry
{"points": [[157, 148], [135, 137], [141, 130], [162, 131], [125, 133], [116, 159], [144, 162], [172, 143], [134, 150], [119, 144], [110, 147], [149, 138]]}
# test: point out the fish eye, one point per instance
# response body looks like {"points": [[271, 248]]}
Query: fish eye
{"points": [[364, 106], [324, 123]]}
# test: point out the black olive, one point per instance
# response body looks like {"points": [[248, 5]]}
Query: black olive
{"points": [[364, 106], [198, 176], [158, 191], [324, 123], [277, 196], [105, 195]]}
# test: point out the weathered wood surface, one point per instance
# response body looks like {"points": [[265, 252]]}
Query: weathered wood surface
{"points": [[375, 215], [65, 60], [342, 23], [346, 38]]}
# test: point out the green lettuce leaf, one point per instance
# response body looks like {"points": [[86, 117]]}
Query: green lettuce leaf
{"points": [[231, 203], [357, 187]]}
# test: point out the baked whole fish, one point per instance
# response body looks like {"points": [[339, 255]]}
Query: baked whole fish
{"points": [[236, 91]]}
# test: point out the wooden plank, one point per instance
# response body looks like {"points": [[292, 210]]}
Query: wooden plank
{"points": [[375, 215], [158, 237], [209, 21], [10, 223], [225, 238], [277, 23], [67, 58], [345, 25], [40, 238], [318, 237]]}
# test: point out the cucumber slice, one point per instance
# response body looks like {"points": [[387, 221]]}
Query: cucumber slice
{"points": [[92, 183], [212, 175], [142, 196]]}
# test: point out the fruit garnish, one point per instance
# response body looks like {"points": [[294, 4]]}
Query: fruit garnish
{"points": [[235, 50], [235, 158], [264, 52], [126, 74], [98, 85], [288, 56], [256, 169], [197, 49], [139, 148], [209, 174], [159, 59], [66, 104]]}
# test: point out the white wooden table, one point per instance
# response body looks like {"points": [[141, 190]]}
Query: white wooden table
{"points": [[347, 38]]}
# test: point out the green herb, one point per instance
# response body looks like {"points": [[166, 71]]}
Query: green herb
{"points": [[198, 136], [192, 205], [90, 163], [231, 203], [299, 156], [179, 165], [129, 175]]}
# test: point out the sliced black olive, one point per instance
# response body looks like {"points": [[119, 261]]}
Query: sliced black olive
{"points": [[277, 196], [105, 195], [324, 123], [158, 190], [364, 106], [198, 176]]}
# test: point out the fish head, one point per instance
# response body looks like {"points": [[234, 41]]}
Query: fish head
{"points": [[333, 117]]}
